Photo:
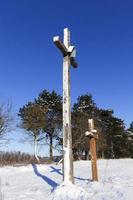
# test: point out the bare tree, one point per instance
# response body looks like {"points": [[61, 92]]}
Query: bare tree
{"points": [[6, 121]]}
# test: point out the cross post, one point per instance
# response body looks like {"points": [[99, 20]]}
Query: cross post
{"points": [[68, 53], [91, 134]]}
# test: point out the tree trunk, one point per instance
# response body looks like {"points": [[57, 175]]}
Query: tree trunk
{"points": [[51, 148], [86, 155], [103, 156], [35, 150]]}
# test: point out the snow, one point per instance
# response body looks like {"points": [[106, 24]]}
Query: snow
{"points": [[44, 182], [71, 192], [87, 133]]}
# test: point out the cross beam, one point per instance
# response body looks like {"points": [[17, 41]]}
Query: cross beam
{"points": [[64, 50], [68, 53], [60, 45]]}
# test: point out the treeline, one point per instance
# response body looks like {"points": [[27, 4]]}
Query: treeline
{"points": [[42, 121], [18, 158]]}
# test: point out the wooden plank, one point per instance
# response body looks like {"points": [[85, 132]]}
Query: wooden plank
{"points": [[67, 137], [93, 151], [93, 159], [60, 45], [73, 62]]}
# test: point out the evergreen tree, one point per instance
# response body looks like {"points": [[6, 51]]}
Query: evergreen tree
{"points": [[103, 125], [85, 104], [53, 103], [112, 137], [79, 127], [131, 128], [117, 139], [130, 140], [83, 109]]}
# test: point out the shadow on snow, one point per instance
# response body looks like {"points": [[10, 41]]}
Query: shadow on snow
{"points": [[49, 181], [58, 171]]}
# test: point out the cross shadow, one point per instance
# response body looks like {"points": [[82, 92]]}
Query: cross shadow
{"points": [[49, 181], [58, 171]]}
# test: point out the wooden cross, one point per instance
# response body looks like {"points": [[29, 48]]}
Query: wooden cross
{"points": [[93, 136], [68, 53]]}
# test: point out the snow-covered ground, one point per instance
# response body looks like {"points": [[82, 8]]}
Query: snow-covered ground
{"points": [[41, 182]]}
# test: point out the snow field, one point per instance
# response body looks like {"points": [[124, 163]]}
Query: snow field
{"points": [[44, 182]]}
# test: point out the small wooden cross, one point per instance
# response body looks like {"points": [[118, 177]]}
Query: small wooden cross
{"points": [[91, 134]]}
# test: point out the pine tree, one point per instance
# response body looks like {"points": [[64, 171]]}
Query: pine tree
{"points": [[130, 140], [103, 124], [118, 148], [83, 109], [53, 103]]}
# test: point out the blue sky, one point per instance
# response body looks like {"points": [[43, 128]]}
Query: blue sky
{"points": [[102, 32]]}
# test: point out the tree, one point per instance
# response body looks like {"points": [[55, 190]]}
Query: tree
{"points": [[129, 132], [111, 130], [83, 109], [79, 141], [131, 128], [117, 139], [53, 102], [112, 138], [103, 125], [6, 120], [85, 104], [33, 120]]}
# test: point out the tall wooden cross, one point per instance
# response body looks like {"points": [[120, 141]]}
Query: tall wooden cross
{"points": [[69, 54]]}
